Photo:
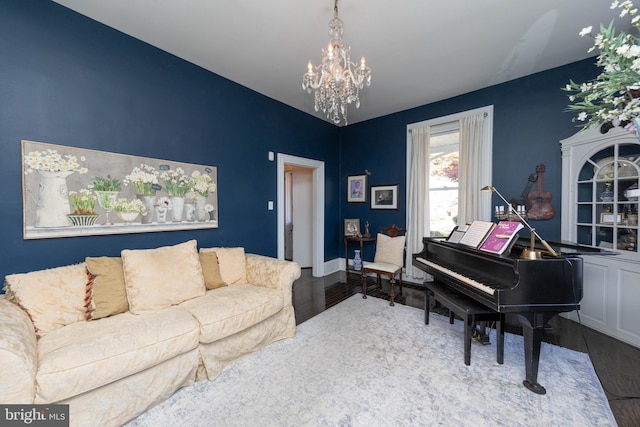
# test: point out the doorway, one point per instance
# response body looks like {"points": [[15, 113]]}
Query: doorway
{"points": [[298, 228], [312, 172]]}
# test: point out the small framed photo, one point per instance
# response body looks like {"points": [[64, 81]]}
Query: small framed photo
{"points": [[384, 197], [357, 185], [351, 227], [610, 218]]}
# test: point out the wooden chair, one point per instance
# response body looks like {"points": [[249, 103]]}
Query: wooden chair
{"points": [[388, 260]]}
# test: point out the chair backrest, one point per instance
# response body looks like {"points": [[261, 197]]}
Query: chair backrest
{"points": [[393, 231], [390, 246]]}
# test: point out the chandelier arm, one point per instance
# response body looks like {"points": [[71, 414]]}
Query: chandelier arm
{"points": [[336, 81]]}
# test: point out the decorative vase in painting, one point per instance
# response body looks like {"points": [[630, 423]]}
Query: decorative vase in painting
{"points": [[150, 204], [190, 211], [161, 214], [105, 200], [357, 261], [177, 206], [52, 207], [201, 212], [83, 220], [128, 216]]}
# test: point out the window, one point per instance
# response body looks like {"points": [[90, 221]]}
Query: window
{"points": [[443, 179], [441, 192]]}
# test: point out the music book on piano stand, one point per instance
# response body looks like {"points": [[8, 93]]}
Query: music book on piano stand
{"points": [[476, 233], [502, 237]]}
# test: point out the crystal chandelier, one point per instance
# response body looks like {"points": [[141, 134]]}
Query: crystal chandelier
{"points": [[337, 81]]}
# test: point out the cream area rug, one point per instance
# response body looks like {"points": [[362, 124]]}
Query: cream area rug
{"points": [[364, 363]]}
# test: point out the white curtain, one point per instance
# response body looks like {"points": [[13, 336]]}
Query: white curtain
{"points": [[417, 211], [471, 171]]}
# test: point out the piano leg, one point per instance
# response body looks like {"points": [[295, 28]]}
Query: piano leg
{"points": [[532, 331]]}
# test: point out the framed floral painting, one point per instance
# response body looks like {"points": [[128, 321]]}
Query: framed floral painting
{"points": [[70, 191]]}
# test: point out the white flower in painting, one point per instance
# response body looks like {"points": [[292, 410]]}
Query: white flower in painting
{"points": [[202, 184], [142, 178], [50, 160]]}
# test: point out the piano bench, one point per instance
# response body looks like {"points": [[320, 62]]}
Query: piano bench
{"points": [[469, 310]]}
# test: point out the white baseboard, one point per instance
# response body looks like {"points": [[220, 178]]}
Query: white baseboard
{"points": [[338, 264]]}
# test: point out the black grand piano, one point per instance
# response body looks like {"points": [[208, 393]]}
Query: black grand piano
{"points": [[534, 290]]}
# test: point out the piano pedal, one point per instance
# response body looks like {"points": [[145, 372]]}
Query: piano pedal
{"points": [[480, 336]]}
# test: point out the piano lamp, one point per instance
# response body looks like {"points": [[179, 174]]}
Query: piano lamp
{"points": [[530, 253]]}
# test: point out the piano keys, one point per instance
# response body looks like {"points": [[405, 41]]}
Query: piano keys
{"points": [[533, 290]]}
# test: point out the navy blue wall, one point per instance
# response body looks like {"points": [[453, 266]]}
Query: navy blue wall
{"points": [[65, 79], [529, 122], [68, 80]]}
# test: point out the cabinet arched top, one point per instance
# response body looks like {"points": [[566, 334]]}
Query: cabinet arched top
{"points": [[599, 172]]}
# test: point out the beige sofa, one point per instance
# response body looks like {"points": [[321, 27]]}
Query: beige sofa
{"points": [[180, 326]]}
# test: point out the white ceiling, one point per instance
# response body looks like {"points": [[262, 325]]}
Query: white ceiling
{"points": [[420, 51]]}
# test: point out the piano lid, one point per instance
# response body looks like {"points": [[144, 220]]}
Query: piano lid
{"points": [[563, 248]]}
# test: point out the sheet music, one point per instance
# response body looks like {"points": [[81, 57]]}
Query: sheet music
{"points": [[476, 233]]}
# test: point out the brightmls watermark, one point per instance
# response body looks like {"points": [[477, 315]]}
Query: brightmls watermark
{"points": [[34, 415]]}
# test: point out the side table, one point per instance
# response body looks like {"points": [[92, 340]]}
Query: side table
{"points": [[361, 241]]}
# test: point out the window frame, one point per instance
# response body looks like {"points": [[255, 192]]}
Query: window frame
{"points": [[451, 122]]}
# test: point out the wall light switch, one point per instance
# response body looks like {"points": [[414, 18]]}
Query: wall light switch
{"points": [[271, 156], [270, 205]]}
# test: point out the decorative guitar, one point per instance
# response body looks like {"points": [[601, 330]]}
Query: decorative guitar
{"points": [[524, 198], [541, 207]]}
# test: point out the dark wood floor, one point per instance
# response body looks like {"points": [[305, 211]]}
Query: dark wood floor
{"points": [[616, 363]]}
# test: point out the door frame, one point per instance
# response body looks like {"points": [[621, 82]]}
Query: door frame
{"points": [[317, 220]]}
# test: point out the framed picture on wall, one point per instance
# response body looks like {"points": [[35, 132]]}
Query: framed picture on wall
{"points": [[357, 187], [69, 191], [351, 227], [384, 197]]}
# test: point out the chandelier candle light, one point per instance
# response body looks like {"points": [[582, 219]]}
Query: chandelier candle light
{"points": [[336, 82]]}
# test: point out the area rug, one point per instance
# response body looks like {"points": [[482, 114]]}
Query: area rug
{"points": [[364, 363]]}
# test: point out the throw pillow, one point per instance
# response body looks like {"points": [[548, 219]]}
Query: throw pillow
{"points": [[232, 262], [389, 249], [161, 277], [211, 270], [109, 292], [53, 298]]}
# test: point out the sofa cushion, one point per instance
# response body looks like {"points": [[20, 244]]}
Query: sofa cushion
{"points": [[109, 293], [211, 270], [223, 312], [161, 277], [232, 262], [86, 355], [53, 298]]}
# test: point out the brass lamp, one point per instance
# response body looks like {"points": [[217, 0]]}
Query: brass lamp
{"points": [[530, 253]]}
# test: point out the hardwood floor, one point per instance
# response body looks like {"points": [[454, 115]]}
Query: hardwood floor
{"points": [[616, 363]]}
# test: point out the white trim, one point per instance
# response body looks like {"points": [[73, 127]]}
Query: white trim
{"points": [[454, 117], [317, 251]]}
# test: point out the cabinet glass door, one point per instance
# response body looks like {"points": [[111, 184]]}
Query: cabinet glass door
{"points": [[607, 216]]}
